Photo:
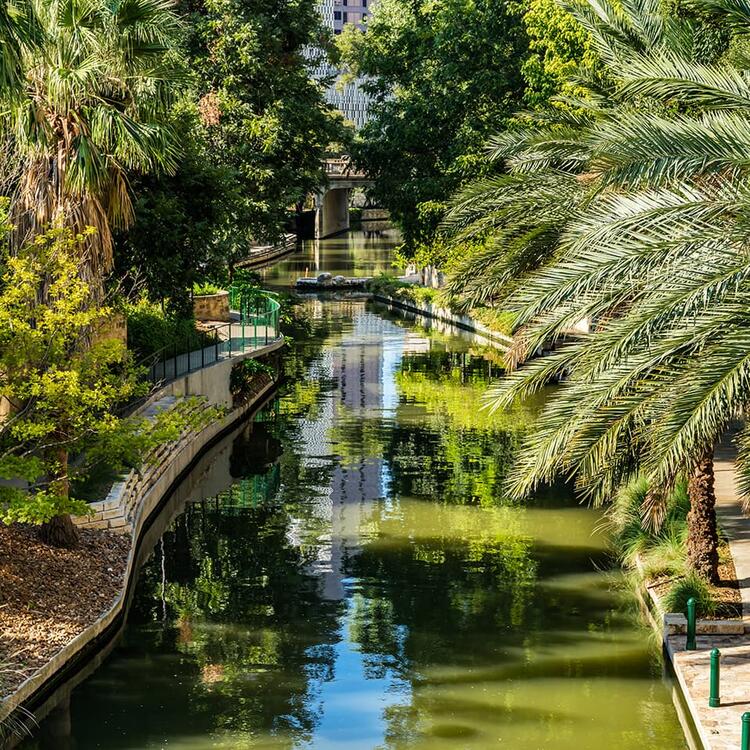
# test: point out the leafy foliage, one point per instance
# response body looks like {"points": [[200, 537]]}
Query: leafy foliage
{"points": [[184, 227], [690, 587], [87, 109], [558, 46], [64, 378], [254, 129], [444, 75], [151, 330]]}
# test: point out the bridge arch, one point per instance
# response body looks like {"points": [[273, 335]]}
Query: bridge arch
{"points": [[332, 201]]}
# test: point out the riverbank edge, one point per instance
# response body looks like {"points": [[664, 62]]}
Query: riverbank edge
{"points": [[445, 315], [177, 462], [670, 627]]}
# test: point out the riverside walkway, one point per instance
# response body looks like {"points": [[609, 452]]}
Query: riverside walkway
{"points": [[721, 728], [254, 324]]}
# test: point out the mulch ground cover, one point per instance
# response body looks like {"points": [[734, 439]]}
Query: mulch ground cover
{"points": [[48, 596]]}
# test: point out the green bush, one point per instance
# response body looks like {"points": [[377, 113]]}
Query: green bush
{"points": [[385, 285], [661, 552], [150, 330], [496, 320], [693, 586], [421, 293], [205, 287]]}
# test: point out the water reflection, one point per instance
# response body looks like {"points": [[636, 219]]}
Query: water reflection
{"points": [[356, 253], [363, 583]]}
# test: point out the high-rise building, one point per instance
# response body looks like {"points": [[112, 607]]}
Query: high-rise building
{"points": [[349, 11], [349, 98]]}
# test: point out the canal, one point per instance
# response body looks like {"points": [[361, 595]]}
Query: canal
{"points": [[345, 573]]}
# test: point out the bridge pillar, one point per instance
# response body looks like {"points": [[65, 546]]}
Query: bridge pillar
{"points": [[331, 212]]}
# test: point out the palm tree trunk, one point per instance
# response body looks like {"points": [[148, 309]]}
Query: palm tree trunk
{"points": [[703, 538], [60, 531]]}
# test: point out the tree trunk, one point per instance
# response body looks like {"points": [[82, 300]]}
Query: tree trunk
{"points": [[703, 539], [60, 531]]}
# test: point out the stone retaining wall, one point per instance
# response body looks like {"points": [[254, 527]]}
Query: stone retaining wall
{"points": [[133, 501], [212, 306], [436, 312]]}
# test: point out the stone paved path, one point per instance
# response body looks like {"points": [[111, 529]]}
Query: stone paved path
{"points": [[720, 728]]}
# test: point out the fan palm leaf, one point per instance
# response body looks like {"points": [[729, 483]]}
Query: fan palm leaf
{"points": [[91, 111]]}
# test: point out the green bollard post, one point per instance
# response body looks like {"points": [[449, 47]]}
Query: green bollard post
{"points": [[690, 645], [745, 731], [714, 695]]}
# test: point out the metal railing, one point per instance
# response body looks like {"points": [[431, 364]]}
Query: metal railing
{"points": [[342, 168], [258, 326]]}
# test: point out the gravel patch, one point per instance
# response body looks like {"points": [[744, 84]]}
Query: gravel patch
{"points": [[49, 596]]}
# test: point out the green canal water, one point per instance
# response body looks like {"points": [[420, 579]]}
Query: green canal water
{"points": [[356, 253], [345, 573]]}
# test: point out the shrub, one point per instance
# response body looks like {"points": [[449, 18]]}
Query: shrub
{"points": [[693, 586], [205, 287], [496, 320], [420, 293], [150, 330], [386, 285], [661, 552]]}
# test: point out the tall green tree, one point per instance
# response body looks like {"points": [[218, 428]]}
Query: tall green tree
{"points": [[85, 113], [62, 380], [444, 75], [254, 131]]}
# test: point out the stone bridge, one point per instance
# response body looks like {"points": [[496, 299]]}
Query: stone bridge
{"points": [[332, 201]]}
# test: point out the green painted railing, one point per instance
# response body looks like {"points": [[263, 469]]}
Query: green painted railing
{"points": [[254, 307], [258, 325]]}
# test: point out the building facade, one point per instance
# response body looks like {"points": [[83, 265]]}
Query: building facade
{"points": [[350, 98], [349, 11]]}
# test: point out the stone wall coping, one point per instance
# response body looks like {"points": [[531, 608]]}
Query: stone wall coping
{"points": [[214, 295]]}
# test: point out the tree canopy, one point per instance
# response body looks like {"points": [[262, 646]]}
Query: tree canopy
{"points": [[254, 130], [83, 109], [444, 74]]}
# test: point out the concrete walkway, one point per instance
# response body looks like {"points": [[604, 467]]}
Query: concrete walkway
{"points": [[720, 728], [733, 520]]}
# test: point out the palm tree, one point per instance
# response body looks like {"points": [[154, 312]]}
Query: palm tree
{"points": [[86, 109], [18, 30], [650, 242]]}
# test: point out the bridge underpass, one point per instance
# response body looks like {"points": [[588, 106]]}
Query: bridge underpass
{"points": [[332, 201]]}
